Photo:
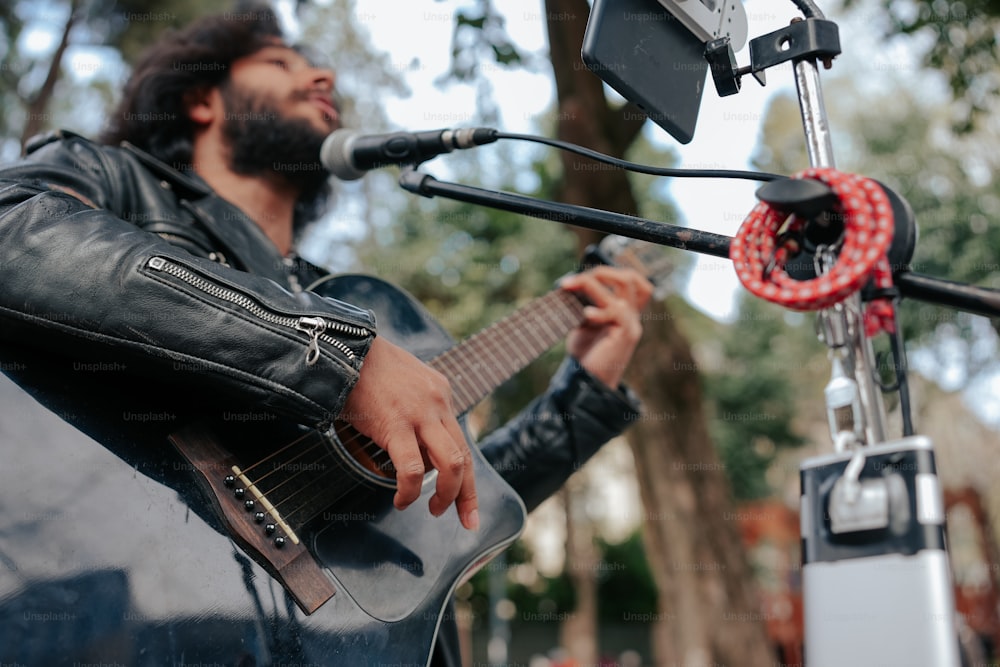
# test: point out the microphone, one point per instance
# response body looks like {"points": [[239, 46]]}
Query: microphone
{"points": [[348, 154]]}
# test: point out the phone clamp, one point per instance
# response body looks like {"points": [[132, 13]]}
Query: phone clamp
{"points": [[817, 39]]}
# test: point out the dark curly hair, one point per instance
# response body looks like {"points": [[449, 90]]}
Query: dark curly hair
{"points": [[152, 113]]}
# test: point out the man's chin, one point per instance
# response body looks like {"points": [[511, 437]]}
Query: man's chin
{"points": [[325, 122], [331, 124]]}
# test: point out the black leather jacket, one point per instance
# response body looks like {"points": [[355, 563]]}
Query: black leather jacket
{"points": [[110, 258]]}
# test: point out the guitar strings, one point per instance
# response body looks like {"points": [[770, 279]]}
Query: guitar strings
{"points": [[312, 480], [572, 304], [371, 446], [275, 453], [378, 451], [302, 472]]}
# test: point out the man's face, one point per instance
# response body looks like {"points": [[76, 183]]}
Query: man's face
{"points": [[294, 86], [278, 110]]}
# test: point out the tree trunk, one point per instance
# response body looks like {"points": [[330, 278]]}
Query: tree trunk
{"points": [[37, 106], [578, 632], [708, 612]]}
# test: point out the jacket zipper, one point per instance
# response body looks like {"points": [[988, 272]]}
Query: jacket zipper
{"points": [[317, 328]]}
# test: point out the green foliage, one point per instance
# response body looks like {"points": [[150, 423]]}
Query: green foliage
{"points": [[625, 586], [962, 44], [366, 77], [105, 33], [480, 33], [948, 181], [531, 592], [754, 387], [12, 68], [468, 265], [132, 25], [945, 181]]}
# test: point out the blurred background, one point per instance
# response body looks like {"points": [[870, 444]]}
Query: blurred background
{"points": [[679, 543]]}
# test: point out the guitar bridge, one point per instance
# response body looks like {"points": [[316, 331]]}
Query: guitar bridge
{"points": [[250, 505], [245, 511]]}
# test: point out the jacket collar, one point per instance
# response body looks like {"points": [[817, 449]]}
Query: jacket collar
{"points": [[185, 183], [246, 244]]}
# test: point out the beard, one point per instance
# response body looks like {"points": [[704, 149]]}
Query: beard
{"points": [[262, 142]]}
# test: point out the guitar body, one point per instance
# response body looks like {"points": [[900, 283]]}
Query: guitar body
{"points": [[118, 553]]}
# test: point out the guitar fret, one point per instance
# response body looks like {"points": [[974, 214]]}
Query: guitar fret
{"points": [[509, 351], [491, 372], [465, 382], [486, 363], [517, 330], [532, 329], [459, 385], [487, 359], [571, 312], [553, 334], [518, 325]]}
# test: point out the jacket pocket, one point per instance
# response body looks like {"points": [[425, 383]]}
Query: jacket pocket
{"points": [[315, 327]]}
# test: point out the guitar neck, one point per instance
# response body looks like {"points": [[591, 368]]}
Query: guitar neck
{"points": [[481, 363]]}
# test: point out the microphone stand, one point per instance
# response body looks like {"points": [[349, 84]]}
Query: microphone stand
{"points": [[876, 577], [873, 548], [959, 296]]}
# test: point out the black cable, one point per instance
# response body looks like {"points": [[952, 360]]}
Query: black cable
{"points": [[899, 356], [809, 9], [642, 168]]}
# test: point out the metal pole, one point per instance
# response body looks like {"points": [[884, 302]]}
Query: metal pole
{"points": [[498, 645], [814, 122], [860, 354]]}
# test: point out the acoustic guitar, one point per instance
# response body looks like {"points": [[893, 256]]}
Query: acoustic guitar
{"points": [[234, 550]]}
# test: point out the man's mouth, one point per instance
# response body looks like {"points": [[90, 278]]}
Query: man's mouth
{"points": [[328, 107]]}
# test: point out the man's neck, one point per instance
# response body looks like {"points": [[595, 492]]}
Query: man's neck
{"points": [[270, 202]]}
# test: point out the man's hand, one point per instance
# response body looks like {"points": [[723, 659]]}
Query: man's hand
{"points": [[405, 407], [604, 343]]}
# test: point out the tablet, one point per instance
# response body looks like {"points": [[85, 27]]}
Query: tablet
{"points": [[650, 58]]}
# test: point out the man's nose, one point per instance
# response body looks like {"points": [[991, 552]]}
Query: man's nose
{"points": [[322, 79]]}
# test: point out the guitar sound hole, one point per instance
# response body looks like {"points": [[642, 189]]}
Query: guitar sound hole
{"points": [[364, 452]]}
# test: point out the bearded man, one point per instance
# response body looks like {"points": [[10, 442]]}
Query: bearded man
{"points": [[165, 255]]}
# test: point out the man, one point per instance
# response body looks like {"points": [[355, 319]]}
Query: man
{"points": [[167, 255]]}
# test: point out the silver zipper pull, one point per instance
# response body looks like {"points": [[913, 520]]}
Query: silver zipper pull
{"points": [[314, 326]]}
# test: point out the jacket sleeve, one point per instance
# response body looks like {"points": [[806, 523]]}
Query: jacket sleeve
{"points": [[538, 450], [77, 279]]}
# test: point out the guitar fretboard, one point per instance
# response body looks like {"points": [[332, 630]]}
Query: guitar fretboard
{"points": [[481, 363]]}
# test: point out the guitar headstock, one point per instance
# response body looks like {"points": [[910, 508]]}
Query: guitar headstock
{"points": [[647, 258]]}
